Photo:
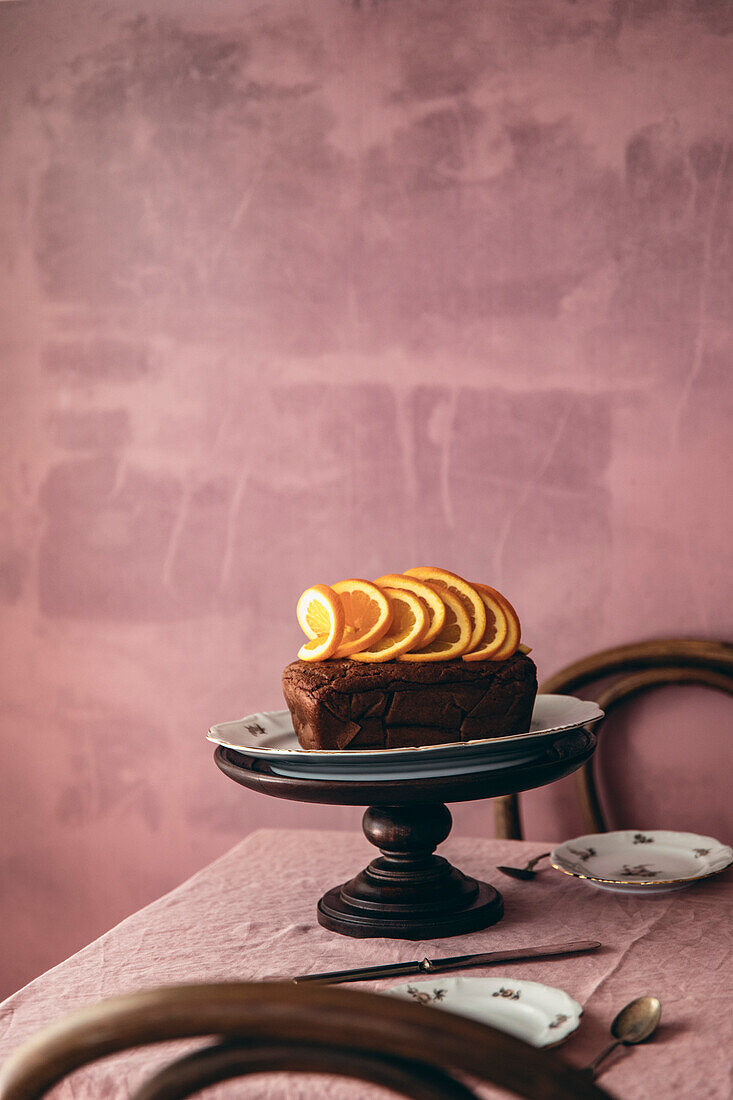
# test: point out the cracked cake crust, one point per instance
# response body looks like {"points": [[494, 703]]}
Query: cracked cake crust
{"points": [[341, 704]]}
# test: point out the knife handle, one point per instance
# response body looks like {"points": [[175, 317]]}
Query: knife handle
{"points": [[366, 973]]}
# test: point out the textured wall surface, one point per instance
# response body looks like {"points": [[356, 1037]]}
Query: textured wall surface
{"points": [[294, 292]]}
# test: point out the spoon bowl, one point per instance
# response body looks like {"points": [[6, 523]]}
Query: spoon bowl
{"points": [[525, 873], [637, 1021], [518, 872]]}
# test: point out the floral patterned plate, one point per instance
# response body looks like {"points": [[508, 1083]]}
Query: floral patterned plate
{"points": [[651, 862], [539, 1014], [270, 735]]}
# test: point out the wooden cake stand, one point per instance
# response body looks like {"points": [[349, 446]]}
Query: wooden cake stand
{"points": [[407, 892]]}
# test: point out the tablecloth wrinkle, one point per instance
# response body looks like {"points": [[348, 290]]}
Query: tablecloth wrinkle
{"points": [[252, 915], [623, 955]]}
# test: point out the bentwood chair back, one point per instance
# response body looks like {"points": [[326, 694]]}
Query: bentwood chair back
{"points": [[625, 671], [414, 1050]]}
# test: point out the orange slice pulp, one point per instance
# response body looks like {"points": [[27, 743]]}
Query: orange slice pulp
{"points": [[321, 617], [429, 597], [514, 627], [409, 620], [367, 615], [446, 581], [454, 637]]}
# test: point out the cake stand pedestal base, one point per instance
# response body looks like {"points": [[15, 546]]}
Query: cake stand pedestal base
{"points": [[409, 893]]}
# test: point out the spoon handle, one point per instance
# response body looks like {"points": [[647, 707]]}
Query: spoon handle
{"points": [[592, 1067], [531, 863]]}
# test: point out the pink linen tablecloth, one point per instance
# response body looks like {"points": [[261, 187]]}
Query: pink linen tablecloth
{"points": [[251, 915]]}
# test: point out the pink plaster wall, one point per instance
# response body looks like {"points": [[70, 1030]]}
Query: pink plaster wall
{"points": [[291, 292]]}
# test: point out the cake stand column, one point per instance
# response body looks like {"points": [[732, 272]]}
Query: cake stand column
{"points": [[407, 892]]}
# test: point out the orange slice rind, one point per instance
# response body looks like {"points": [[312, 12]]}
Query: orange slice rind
{"points": [[318, 649], [445, 581], [514, 627], [497, 627], [453, 639], [430, 597], [321, 617], [367, 615], [409, 619]]}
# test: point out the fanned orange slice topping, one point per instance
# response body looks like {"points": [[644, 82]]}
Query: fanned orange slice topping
{"points": [[497, 626], [445, 581], [430, 598], [454, 638], [409, 620], [514, 628], [321, 617], [367, 615]]}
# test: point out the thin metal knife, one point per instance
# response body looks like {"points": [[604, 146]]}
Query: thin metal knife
{"points": [[456, 962]]}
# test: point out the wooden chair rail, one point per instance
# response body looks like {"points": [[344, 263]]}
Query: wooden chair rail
{"points": [[262, 1013], [677, 652], [624, 689], [702, 661], [223, 1061]]}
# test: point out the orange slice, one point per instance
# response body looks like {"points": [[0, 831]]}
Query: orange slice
{"points": [[497, 627], [367, 615], [321, 617], [429, 596], [514, 628], [409, 620], [454, 638], [445, 581]]}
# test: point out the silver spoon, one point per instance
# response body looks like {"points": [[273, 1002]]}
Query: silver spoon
{"points": [[635, 1022], [525, 873]]}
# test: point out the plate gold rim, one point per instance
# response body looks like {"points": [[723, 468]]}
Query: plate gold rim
{"points": [[643, 882]]}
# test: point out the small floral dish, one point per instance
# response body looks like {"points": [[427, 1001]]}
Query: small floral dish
{"points": [[538, 1014], [654, 861]]}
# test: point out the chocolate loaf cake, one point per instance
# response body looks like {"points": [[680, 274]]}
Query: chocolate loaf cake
{"points": [[340, 704]]}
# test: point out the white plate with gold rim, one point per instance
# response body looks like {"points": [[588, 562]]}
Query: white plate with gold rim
{"points": [[635, 861], [270, 736], [538, 1014]]}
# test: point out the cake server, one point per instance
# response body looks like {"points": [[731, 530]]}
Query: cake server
{"points": [[456, 962]]}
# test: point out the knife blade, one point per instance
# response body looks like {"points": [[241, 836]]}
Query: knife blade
{"points": [[456, 962]]}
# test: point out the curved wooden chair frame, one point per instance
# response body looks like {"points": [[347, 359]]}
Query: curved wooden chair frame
{"points": [[223, 1061], [410, 1048], [679, 661]]}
